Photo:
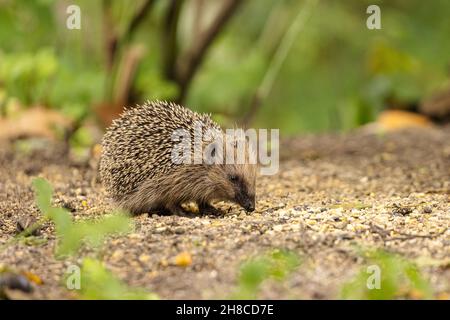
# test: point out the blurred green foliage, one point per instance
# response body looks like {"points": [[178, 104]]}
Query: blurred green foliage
{"points": [[97, 283], [25, 75], [399, 278], [71, 235], [276, 265], [338, 74]]}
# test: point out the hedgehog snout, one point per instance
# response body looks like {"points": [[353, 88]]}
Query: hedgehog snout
{"points": [[246, 201]]}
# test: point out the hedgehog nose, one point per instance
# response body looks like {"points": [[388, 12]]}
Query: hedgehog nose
{"points": [[249, 206], [246, 202]]}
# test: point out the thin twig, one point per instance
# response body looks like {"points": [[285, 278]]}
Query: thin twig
{"points": [[110, 47], [125, 74], [198, 17], [25, 233], [406, 236], [137, 19], [190, 62], [115, 46], [110, 35], [169, 39], [278, 59]]}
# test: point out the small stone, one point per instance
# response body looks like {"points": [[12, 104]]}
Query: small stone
{"points": [[284, 214], [399, 210], [144, 258], [427, 210], [179, 230], [296, 213], [340, 225], [134, 236], [164, 263], [117, 255], [28, 223], [278, 228], [160, 229], [68, 206], [213, 274]]}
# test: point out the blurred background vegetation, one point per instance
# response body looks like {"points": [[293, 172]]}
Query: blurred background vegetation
{"points": [[222, 57]]}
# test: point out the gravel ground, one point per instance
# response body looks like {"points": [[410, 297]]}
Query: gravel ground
{"points": [[332, 195]]}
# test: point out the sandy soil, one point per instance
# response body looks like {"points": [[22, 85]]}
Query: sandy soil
{"points": [[331, 195]]}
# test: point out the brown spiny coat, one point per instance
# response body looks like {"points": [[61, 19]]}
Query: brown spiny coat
{"points": [[138, 172]]}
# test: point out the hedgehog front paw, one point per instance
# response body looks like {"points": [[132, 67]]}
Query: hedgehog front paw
{"points": [[176, 209], [207, 209]]}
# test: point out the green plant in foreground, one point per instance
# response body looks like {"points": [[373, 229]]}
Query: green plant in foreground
{"points": [[276, 265], [73, 234], [96, 281], [100, 284], [398, 278]]}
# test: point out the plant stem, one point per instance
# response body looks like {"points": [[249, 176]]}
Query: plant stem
{"points": [[278, 59]]}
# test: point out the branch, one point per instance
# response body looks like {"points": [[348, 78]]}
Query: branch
{"points": [[129, 56], [126, 72], [138, 18], [277, 61], [190, 63], [198, 15], [169, 39], [110, 36]]}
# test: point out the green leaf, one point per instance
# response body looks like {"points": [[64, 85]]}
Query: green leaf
{"points": [[97, 283], [91, 232], [43, 194], [71, 234], [399, 278], [62, 220], [96, 231], [277, 265]]}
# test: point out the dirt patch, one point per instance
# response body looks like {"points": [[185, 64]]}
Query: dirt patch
{"points": [[333, 194]]}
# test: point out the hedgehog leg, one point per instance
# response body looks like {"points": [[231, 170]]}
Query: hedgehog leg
{"points": [[160, 210], [207, 209], [176, 209]]}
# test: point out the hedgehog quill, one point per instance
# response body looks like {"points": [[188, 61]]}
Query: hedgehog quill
{"points": [[139, 172]]}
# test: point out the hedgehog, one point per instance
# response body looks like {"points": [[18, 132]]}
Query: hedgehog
{"points": [[140, 173]]}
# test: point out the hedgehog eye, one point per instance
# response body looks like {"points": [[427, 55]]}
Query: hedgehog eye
{"points": [[233, 178]]}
